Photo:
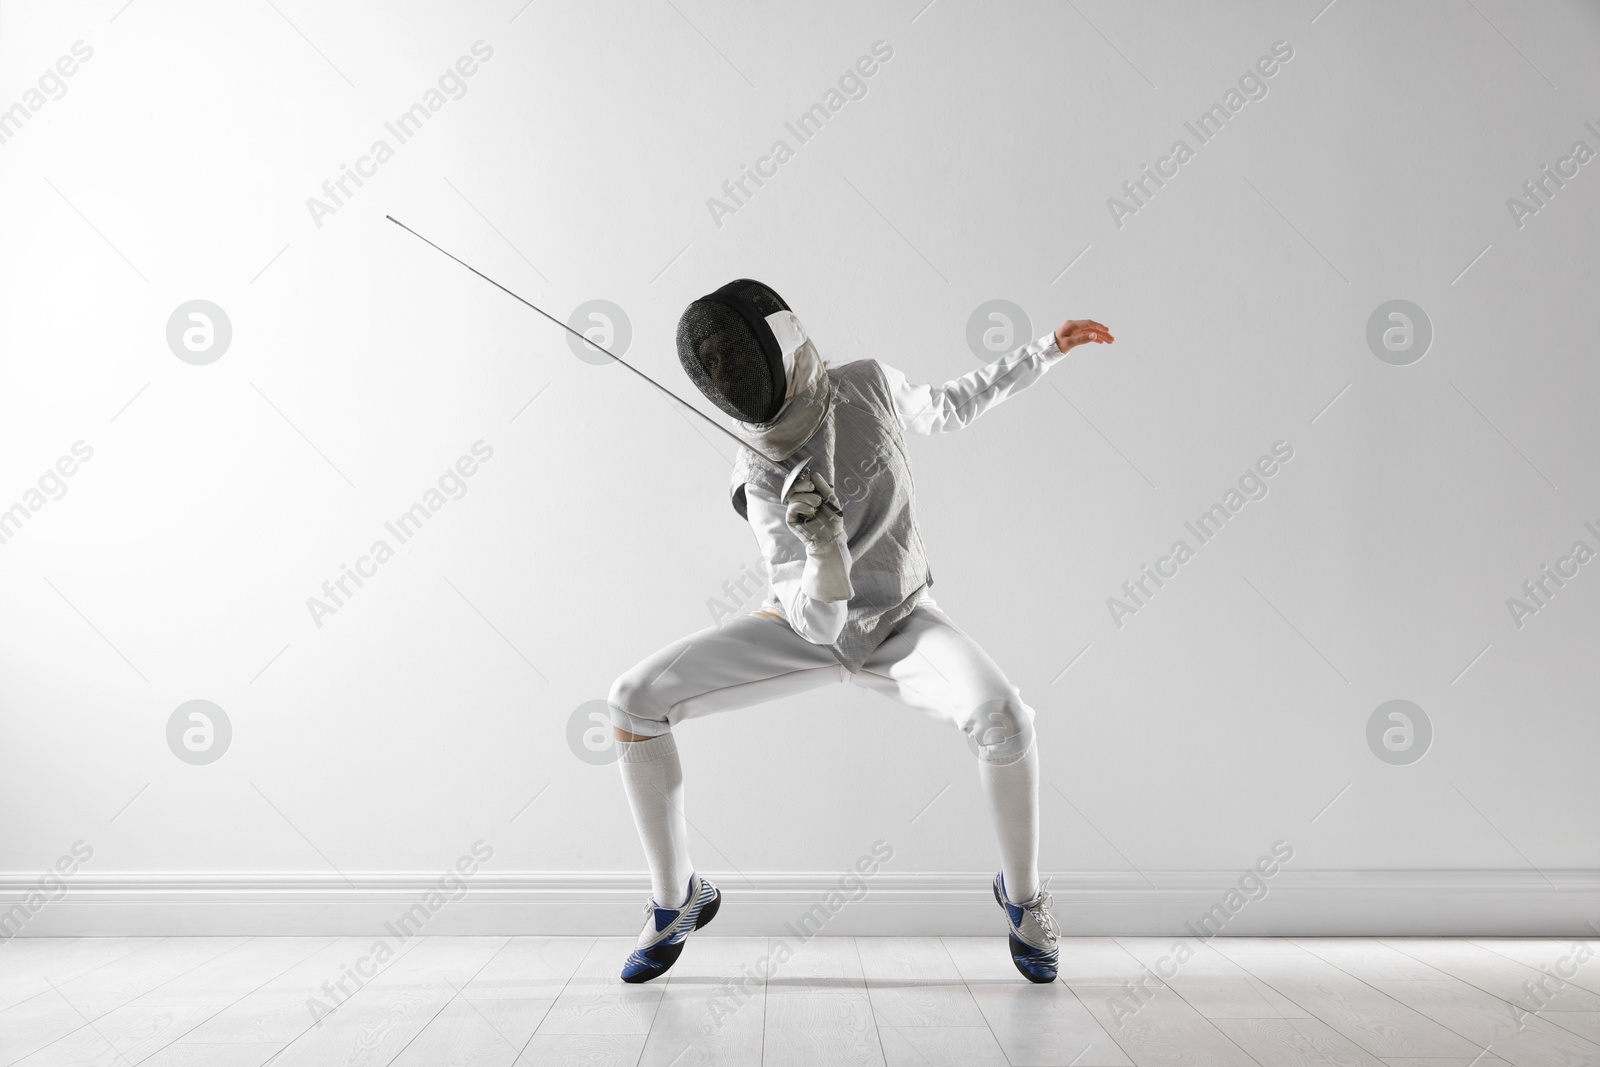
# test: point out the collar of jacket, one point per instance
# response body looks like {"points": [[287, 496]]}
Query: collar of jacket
{"points": [[809, 398]]}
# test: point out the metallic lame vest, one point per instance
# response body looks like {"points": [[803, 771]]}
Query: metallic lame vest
{"points": [[860, 449]]}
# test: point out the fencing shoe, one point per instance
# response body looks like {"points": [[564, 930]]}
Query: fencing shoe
{"points": [[666, 929], [1033, 933]]}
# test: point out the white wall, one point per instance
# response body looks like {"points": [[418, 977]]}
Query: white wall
{"points": [[426, 713]]}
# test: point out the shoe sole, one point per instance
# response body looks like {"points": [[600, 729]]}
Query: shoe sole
{"points": [[672, 952], [1014, 943]]}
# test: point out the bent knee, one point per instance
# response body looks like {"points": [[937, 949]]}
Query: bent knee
{"points": [[1001, 730], [635, 707]]}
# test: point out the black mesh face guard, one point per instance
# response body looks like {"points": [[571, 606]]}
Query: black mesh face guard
{"points": [[728, 350]]}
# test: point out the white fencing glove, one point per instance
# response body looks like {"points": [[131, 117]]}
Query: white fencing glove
{"points": [[813, 512]]}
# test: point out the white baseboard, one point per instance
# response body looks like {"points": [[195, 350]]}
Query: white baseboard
{"points": [[1350, 903]]}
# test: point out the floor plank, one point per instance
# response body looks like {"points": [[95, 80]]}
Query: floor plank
{"points": [[940, 1046], [1558, 955], [834, 1028], [389, 1011], [1035, 1025], [129, 977], [1499, 976], [1368, 959], [123, 1035], [475, 1033], [913, 982], [1247, 997], [1358, 1010], [1214, 985], [1527, 1041], [74, 960], [35, 1023], [1163, 1031], [1097, 961], [15, 950], [1237, 948], [597, 1001], [285, 1006], [260, 1018], [706, 1018], [241, 970], [820, 965], [1166, 955], [1295, 1043], [532, 968], [582, 1050], [204, 1054], [95, 1011], [1586, 1024]]}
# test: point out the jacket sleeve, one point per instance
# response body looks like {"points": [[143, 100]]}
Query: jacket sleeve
{"points": [[931, 409], [816, 621]]}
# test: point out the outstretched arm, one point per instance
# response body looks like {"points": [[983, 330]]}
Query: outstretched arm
{"points": [[930, 409]]}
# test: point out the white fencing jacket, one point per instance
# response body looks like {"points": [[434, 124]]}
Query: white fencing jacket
{"points": [[895, 571]]}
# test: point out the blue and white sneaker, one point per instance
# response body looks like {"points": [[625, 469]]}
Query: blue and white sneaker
{"points": [[666, 929], [1033, 932]]}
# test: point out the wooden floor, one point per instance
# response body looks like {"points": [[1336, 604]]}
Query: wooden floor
{"points": [[242, 1001]]}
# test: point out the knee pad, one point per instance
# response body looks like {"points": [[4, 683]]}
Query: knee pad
{"points": [[999, 731], [634, 707]]}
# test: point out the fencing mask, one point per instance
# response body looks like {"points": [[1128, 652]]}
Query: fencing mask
{"points": [[748, 353]]}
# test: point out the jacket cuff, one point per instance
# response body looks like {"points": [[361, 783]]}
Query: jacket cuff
{"points": [[1048, 350]]}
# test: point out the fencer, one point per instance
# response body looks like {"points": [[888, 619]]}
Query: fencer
{"points": [[825, 484]]}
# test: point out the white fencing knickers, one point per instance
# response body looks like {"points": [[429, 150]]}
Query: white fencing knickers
{"points": [[927, 663]]}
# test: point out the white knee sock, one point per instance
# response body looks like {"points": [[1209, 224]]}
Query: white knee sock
{"points": [[1013, 792], [653, 778]]}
